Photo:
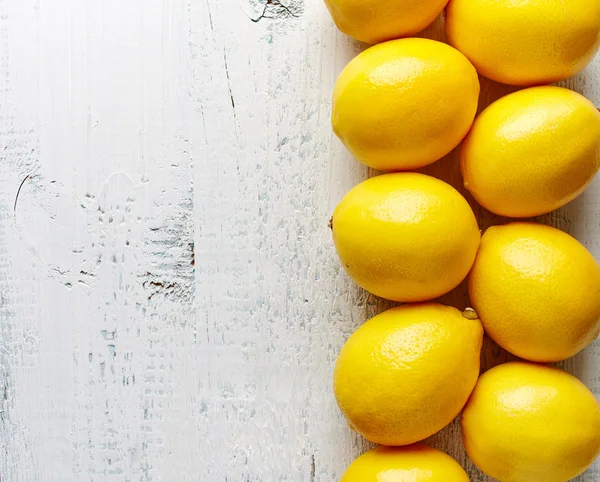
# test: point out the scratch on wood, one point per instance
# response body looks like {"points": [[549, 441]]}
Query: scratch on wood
{"points": [[19, 192], [229, 82], [235, 119]]}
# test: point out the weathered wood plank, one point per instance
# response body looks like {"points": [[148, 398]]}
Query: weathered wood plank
{"points": [[171, 305]]}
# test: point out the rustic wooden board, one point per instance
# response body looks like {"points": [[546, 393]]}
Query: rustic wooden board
{"points": [[171, 305]]}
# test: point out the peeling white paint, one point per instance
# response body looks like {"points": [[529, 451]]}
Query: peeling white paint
{"points": [[171, 305]]}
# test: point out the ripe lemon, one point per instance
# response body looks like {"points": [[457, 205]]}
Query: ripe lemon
{"points": [[407, 372], [525, 42], [374, 21], [536, 291], [404, 104], [405, 236], [531, 423], [405, 464], [532, 151]]}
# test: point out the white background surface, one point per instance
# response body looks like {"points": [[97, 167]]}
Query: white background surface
{"points": [[171, 305]]}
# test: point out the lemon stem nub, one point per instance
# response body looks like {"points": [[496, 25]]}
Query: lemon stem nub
{"points": [[470, 314]]}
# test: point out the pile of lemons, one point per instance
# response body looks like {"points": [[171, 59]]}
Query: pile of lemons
{"points": [[408, 237]]}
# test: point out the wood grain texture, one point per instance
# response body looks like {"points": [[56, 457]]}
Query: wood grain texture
{"points": [[171, 305]]}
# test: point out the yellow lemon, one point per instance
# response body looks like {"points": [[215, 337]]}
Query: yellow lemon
{"points": [[525, 42], [531, 423], [405, 236], [374, 21], [405, 464], [404, 104], [406, 373], [532, 151], [536, 291]]}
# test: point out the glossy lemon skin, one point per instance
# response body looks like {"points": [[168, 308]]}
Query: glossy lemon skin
{"points": [[532, 151], [414, 463], [536, 290], [525, 42], [375, 21], [405, 236], [404, 104], [531, 423], [406, 373]]}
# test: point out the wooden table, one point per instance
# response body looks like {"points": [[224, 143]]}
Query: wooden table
{"points": [[171, 305]]}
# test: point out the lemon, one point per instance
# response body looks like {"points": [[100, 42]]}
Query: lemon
{"points": [[525, 42], [374, 21], [407, 372], [532, 151], [405, 464], [536, 291], [405, 236], [404, 104], [531, 423]]}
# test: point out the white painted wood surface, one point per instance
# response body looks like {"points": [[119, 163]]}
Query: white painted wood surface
{"points": [[171, 305]]}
